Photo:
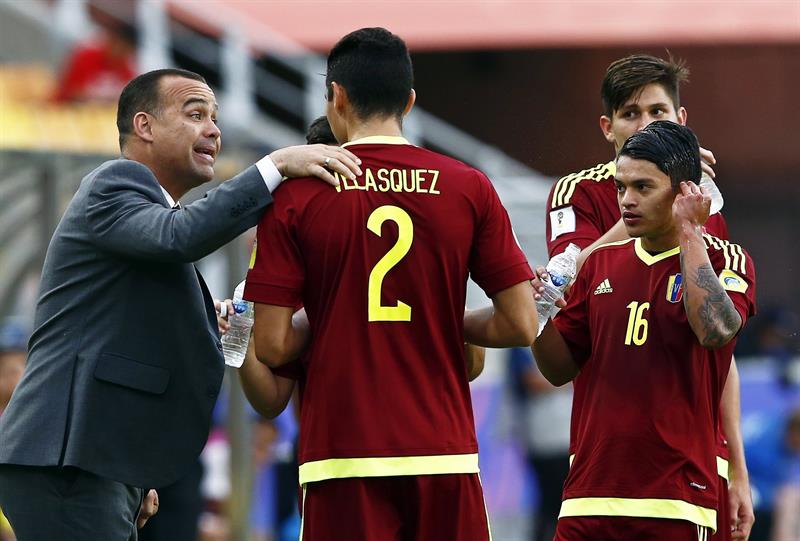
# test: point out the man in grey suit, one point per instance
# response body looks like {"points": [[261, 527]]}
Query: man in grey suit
{"points": [[125, 362]]}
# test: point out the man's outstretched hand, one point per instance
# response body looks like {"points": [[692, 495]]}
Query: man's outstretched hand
{"points": [[316, 161]]}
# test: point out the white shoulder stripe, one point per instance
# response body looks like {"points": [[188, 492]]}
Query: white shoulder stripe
{"points": [[733, 253], [565, 186]]}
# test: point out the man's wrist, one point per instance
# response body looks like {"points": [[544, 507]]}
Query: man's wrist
{"points": [[739, 476], [690, 229], [269, 172]]}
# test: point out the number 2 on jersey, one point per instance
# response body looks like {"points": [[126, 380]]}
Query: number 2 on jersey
{"points": [[637, 324], [405, 236]]}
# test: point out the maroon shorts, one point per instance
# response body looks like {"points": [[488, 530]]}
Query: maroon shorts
{"points": [[418, 508], [723, 514], [628, 529]]}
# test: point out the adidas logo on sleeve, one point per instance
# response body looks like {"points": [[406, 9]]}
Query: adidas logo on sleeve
{"points": [[604, 287]]}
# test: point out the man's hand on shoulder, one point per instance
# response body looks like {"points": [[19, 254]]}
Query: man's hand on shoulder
{"points": [[316, 161]]}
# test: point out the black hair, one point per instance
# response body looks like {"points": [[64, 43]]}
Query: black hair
{"points": [[374, 66], [627, 76], [142, 94], [319, 131], [670, 147]]}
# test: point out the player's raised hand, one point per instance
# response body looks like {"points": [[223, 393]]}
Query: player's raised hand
{"points": [[707, 159], [316, 161], [692, 205]]}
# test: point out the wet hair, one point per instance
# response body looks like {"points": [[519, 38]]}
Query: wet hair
{"points": [[374, 66], [628, 76], [319, 131], [142, 94], [670, 147]]}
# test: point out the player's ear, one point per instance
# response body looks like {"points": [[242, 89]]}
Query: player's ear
{"points": [[143, 126], [607, 129], [682, 116], [340, 98], [412, 98]]}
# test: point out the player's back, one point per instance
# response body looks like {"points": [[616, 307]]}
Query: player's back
{"points": [[385, 264]]}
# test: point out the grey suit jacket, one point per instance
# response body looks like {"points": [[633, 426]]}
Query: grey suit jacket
{"points": [[125, 362]]}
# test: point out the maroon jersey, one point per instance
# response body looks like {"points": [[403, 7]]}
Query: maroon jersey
{"points": [[583, 206], [381, 266], [647, 395]]}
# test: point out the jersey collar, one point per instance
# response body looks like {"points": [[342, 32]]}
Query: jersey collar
{"points": [[379, 140], [650, 259]]}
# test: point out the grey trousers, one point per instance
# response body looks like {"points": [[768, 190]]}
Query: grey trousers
{"points": [[67, 504]]}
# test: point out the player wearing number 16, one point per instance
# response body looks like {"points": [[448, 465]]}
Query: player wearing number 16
{"points": [[647, 337], [387, 444]]}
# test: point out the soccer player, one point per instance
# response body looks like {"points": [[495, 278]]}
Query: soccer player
{"points": [[646, 337], [636, 91], [387, 439]]}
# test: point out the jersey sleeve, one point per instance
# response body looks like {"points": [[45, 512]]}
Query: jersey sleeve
{"points": [[736, 273], [717, 226], [570, 219], [496, 261], [277, 271], [572, 322]]}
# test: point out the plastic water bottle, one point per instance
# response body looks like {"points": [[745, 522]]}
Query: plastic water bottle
{"points": [[716, 196], [560, 271], [234, 342]]}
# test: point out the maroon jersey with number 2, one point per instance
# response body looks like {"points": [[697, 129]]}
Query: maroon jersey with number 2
{"points": [[381, 266]]}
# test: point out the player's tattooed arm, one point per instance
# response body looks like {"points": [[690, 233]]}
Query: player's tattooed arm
{"points": [[709, 309]]}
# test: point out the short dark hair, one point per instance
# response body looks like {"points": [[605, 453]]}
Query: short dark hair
{"points": [[142, 94], [670, 147], [374, 66], [627, 76], [319, 131]]}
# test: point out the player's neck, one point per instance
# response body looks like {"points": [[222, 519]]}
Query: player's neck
{"points": [[386, 127], [661, 242]]}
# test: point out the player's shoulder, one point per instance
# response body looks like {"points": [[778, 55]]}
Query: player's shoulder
{"points": [[609, 253], [295, 194], [445, 162], [612, 249], [726, 255], [566, 187]]}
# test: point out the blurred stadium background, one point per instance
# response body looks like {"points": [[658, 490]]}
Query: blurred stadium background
{"points": [[510, 87]]}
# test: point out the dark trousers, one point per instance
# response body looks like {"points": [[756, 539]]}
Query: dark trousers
{"points": [[551, 472], [180, 505], [67, 504]]}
